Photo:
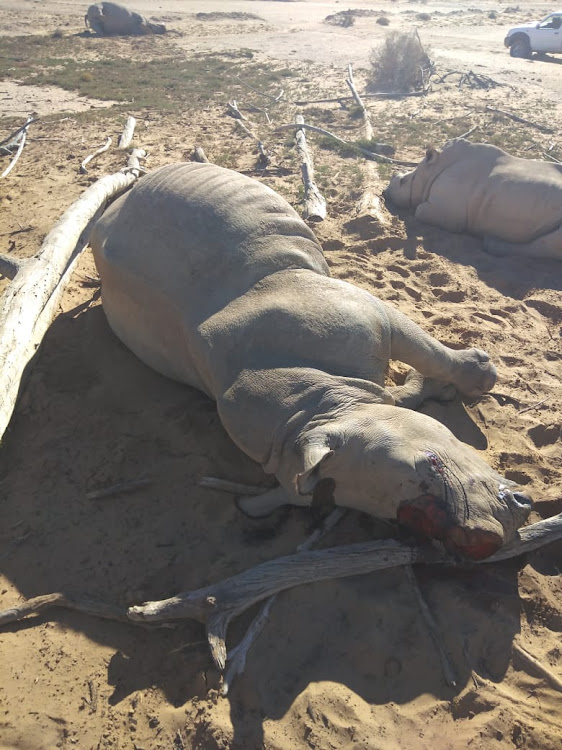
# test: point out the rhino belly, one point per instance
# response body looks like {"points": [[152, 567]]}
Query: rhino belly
{"points": [[185, 242]]}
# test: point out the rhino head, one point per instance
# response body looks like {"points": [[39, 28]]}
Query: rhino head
{"points": [[408, 189], [395, 463]]}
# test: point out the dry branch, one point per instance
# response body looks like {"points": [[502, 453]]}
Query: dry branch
{"points": [[314, 204], [366, 118], [20, 140], [237, 656], [364, 151], [89, 158], [370, 205], [217, 604], [234, 112], [516, 118], [127, 135], [30, 302], [12, 139], [537, 666], [261, 93], [199, 155]]}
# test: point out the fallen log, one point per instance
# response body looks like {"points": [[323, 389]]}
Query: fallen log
{"points": [[314, 204], [127, 135], [29, 304], [217, 604], [370, 207]]}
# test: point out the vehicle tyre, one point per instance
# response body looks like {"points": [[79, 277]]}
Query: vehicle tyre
{"points": [[520, 47]]}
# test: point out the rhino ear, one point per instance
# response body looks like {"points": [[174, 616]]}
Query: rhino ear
{"points": [[431, 153], [314, 453]]}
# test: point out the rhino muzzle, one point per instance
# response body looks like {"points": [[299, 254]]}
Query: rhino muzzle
{"points": [[429, 516]]}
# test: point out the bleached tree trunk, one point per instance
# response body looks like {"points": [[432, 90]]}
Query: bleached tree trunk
{"points": [[314, 204], [127, 135], [370, 205], [30, 302]]}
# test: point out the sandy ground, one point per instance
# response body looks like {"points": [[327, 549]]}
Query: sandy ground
{"points": [[343, 664]]}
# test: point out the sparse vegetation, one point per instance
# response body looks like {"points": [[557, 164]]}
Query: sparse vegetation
{"points": [[167, 82], [383, 21], [399, 64]]}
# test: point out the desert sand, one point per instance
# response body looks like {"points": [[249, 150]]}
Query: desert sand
{"points": [[341, 664]]}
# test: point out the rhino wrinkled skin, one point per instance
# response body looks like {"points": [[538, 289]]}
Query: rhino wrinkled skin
{"points": [[112, 19], [514, 204], [212, 279]]}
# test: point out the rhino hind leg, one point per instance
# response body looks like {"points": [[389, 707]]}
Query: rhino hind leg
{"points": [[470, 370], [547, 246], [419, 388]]}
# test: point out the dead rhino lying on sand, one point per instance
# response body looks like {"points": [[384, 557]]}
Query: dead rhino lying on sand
{"points": [[212, 279], [514, 204], [107, 19]]}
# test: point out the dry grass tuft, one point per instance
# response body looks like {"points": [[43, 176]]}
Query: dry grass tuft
{"points": [[400, 64]]}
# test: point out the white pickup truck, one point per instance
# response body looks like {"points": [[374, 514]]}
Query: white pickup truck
{"points": [[542, 36]]}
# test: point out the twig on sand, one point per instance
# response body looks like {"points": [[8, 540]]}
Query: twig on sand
{"points": [[364, 151], [121, 488], [468, 132], [99, 151], [532, 662], [433, 629], [261, 93], [516, 118], [533, 406]]}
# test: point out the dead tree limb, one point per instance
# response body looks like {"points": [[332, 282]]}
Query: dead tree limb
{"points": [[217, 604], [536, 666], [314, 204], [370, 206], [261, 93], [99, 151], [199, 155], [359, 149], [366, 117], [20, 139], [30, 302], [127, 135], [237, 656], [516, 118], [233, 111], [12, 139]]}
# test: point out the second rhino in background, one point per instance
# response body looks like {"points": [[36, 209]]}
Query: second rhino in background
{"points": [[112, 19], [514, 204]]}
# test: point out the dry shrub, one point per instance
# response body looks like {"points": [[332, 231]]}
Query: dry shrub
{"points": [[383, 21], [399, 64]]}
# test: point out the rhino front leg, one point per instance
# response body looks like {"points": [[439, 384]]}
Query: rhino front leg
{"points": [[470, 370], [418, 389]]}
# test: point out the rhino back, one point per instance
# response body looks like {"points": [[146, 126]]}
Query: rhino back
{"points": [[522, 200], [187, 240]]}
